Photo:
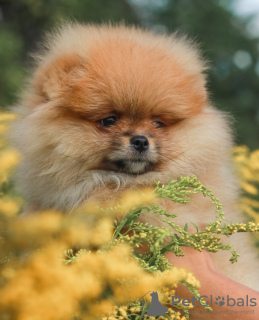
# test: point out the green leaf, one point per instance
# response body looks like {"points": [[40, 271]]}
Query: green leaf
{"points": [[195, 226], [177, 237]]}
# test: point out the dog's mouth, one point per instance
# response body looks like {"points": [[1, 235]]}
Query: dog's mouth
{"points": [[135, 167]]}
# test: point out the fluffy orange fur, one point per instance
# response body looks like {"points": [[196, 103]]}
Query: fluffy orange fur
{"points": [[152, 86]]}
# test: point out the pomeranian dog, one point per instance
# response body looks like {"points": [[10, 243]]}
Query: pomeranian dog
{"points": [[111, 108]]}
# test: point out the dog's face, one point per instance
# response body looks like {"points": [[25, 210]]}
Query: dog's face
{"points": [[125, 99], [113, 101]]}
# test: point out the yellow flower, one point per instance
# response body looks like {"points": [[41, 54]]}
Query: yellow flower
{"points": [[136, 198], [142, 235], [249, 188], [9, 207], [7, 117], [102, 232], [8, 159]]}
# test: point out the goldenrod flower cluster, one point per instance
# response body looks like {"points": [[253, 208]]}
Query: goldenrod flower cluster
{"points": [[87, 265], [247, 163], [105, 279], [248, 168], [10, 202]]}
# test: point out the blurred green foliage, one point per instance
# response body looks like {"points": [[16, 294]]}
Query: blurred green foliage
{"points": [[222, 37], [233, 53], [23, 23]]}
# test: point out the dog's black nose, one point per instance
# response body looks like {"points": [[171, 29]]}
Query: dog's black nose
{"points": [[140, 143]]}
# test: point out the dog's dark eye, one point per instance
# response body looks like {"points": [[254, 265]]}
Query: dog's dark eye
{"points": [[108, 122], [158, 124]]}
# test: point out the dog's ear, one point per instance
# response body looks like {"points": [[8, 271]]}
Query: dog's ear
{"points": [[56, 78]]}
